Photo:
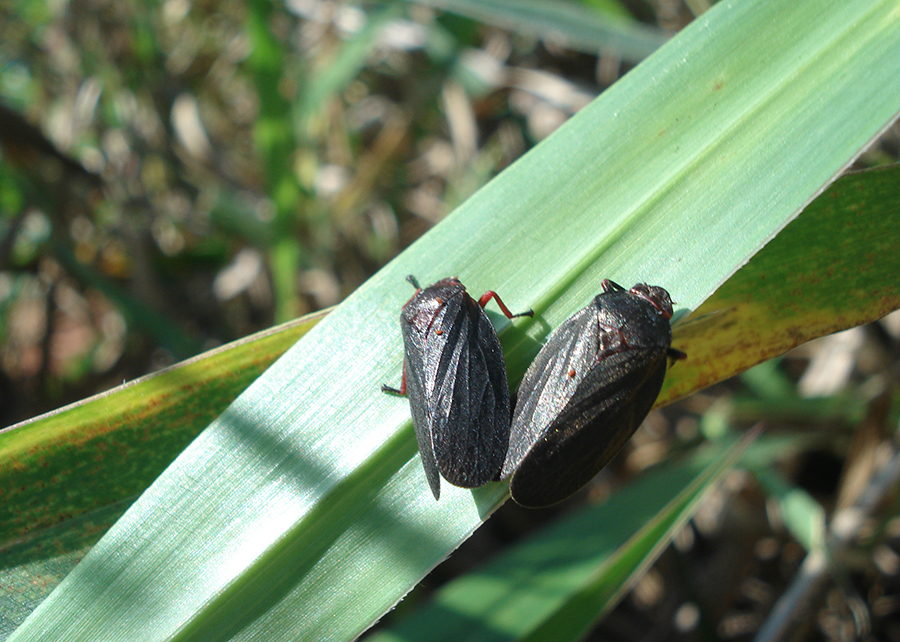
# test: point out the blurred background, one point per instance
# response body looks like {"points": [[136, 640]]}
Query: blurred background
{"points": [[175, 175]]}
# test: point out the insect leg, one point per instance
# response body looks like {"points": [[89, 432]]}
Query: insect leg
{"points": [[397, 391], [490, 294]]}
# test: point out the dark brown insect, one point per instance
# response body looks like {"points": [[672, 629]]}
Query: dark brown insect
{"points": [[587, 391], [455, 377]]}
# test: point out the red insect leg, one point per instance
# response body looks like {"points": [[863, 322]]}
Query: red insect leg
{"points": [[490, 294], [402, 389]]}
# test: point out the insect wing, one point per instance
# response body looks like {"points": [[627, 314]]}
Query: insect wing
{"points": [[609, 405], [419, 320], [470, 429], [415, 390], [547, 387]]}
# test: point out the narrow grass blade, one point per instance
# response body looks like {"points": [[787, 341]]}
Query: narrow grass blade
{"points": [[108, 448], [571, 24], [832, 268]]}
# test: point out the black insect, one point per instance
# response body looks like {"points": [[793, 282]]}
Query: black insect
{"points": [[587, 391], [455, 377]]}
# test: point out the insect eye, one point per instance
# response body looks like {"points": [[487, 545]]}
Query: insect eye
{"points": [[571, 373], [439, 332]]}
